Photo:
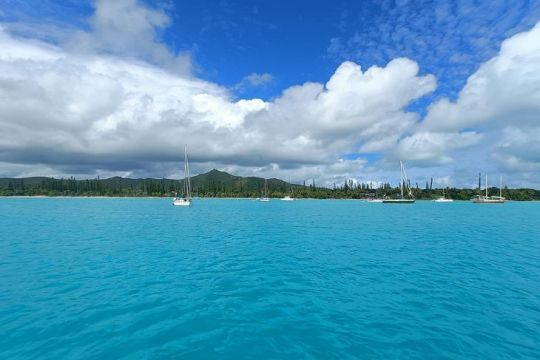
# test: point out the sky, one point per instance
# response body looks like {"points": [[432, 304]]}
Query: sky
{"points": [[324, 90]]}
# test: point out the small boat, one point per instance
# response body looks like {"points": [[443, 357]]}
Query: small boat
{"points": [[409, 199], [264, 197], [375, 200], [443, 199], [485, 199], [399, 201], [289, 197], [186, 199], [181, 202], [479, 199]]}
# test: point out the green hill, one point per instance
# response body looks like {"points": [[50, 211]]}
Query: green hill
{"points": [[220, 181], [212, 183]]}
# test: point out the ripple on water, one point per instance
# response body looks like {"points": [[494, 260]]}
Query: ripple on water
{"points": [[137, 278]]}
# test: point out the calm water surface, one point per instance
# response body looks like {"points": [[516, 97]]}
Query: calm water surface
{"points": [[239, 279]]}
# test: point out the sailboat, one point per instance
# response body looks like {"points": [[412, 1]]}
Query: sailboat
{"points": [[443, 198], [264, 197], [403, 184], [289, 197], [186, 199], [485, 199]]}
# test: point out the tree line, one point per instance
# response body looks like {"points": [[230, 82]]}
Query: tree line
{"points": [[221, 184]]}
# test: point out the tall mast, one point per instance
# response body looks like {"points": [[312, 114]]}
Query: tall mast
{"points": [[290, 185], [187, 184], [188, 175], [407, 182], [401, 177], [185, 171]]}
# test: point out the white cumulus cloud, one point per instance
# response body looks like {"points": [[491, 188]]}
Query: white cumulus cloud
{"points": [[115, 100], [128, 28], [495, 121], [104, 112]]}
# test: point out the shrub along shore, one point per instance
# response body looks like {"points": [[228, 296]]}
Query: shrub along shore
{"points": [[223, 185]]}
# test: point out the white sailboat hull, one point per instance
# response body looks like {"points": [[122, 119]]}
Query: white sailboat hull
{"points": [[264, 197], [398, 201], [287, 198], [185, 200], [443, 200], [488, 200], [485, 199], [403, 181], [181, 202]]}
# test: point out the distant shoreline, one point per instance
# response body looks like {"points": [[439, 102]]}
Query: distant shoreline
{"points": [[203, 198], [220, 184]]}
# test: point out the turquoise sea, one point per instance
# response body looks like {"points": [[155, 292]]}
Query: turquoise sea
{"points": [[240, 279]]}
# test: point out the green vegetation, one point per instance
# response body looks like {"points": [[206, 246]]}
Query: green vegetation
{"points": [[221, 184]]}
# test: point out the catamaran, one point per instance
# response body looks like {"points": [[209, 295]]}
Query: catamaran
{"points": [[404, 183], [186, 199], [289, 197], [443, 198], [264, 197], [485, 199]]}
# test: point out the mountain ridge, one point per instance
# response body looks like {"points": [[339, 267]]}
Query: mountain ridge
{"points": [[213, 181]]}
